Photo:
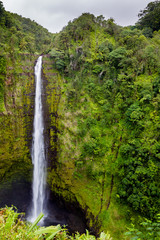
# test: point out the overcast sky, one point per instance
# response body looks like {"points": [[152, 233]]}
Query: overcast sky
{"points": [[55, 14]]}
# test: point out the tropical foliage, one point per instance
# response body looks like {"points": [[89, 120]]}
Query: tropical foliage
{"points": [[112, 90], [102, 84], [149, 17], [13, 227]]}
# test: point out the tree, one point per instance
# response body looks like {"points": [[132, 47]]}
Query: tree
{"points": [[2, 14], [110, 26], [150, 16], [148, 230], [116, 56], [81, 26], [2, 79]]}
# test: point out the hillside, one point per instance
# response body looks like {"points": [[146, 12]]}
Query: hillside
{"points": [[19, 36], [21, 42], [108, 122]]}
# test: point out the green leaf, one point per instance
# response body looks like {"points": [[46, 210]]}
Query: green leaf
{"points": [[52, 235], [48, 230], [128, 233], [35, 222]]}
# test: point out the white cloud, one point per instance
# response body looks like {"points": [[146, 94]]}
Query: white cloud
{"points": [[54, 14]]}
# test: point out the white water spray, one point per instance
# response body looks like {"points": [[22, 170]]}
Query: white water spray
{"points": [[38, 151]]}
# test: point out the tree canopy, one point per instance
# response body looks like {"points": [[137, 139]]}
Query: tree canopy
{"points": [[150, 16]]}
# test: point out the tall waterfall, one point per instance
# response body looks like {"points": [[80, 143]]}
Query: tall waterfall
{"points": [[38, 151]]}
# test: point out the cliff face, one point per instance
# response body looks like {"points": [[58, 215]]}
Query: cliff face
{"points": [[16, 127], [69, 176], [51, 98], [16, 124], [72, 174], [60, 168]]}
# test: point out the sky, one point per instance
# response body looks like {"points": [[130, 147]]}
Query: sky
{"points": [[55, 14]]}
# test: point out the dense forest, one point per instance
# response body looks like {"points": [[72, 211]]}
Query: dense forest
{"points": [[104, 117], [19, 36]]}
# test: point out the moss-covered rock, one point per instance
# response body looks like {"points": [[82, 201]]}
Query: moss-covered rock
{"points": [[74, 174], [17, 119]]}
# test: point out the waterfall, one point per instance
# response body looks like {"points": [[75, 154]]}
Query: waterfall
{"points": [[38, 151]]}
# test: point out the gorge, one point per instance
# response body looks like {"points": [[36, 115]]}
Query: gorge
{"points": [[34, 198], [100, 109]]}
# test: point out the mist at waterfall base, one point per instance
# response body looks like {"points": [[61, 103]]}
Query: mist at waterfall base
{"points": [[36, 198]]}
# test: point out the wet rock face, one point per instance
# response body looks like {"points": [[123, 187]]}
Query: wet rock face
{"points": [[16, 187], [16, 193], [66, 214], [67, 184], [16, 126], [73, 220], [76, 223], [61, 211]]}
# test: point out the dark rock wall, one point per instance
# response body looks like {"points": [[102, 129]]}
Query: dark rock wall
{"points": [[16, 126]]}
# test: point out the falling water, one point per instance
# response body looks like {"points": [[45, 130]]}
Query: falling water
{"points": [[38, 153]]}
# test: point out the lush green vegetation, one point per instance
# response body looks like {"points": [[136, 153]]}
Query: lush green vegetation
{"points": [[102, 83], [109, 126], [148, 230], [13, 227], [21, 41], [19, 36], [149, 17]]}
